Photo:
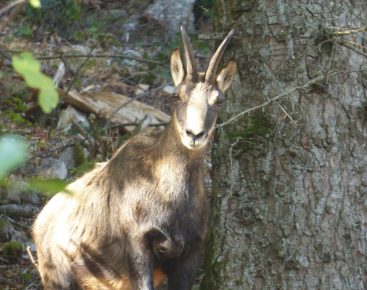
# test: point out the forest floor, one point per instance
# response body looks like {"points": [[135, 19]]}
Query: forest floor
{"points": [[111, 47]]}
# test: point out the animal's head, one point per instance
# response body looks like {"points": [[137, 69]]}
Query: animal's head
{"points": [[201, 93]]}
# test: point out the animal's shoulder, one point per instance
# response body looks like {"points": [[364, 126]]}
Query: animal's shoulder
{"points": [[136, 149]]}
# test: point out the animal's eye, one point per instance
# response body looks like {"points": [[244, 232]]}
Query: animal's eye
{"points": [[219, 101]]}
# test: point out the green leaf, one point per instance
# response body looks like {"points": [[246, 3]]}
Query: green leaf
{"points": [[47, 97], [49, 186], [13, 152], [24, 63], [35, 3], [30, 69]]}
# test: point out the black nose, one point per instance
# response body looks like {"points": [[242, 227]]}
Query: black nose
{"points": [[194, 136]]}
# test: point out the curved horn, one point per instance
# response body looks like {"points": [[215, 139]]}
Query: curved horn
{"points": [[190, 61], [214, 62]]}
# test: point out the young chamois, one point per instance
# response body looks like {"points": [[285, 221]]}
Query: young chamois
{"points": [[142, 216]]}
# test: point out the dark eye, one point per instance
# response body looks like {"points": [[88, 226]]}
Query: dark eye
{"points": [[219, 101]]}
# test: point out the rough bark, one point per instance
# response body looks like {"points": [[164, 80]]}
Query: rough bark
{"points": [[290, 181]]}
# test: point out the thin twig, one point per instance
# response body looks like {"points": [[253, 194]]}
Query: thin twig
{"points": [[79, 69], [337, 31], [84, 133], [287, 93], [138, 124], [11, 5], [354, 46], [101, 55], [31, 257], [51, 152], [286, 113]]}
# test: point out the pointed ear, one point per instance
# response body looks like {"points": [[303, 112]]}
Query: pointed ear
{"points": [[226, 75], [177, 69]]}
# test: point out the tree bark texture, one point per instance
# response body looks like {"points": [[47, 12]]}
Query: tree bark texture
{"points": [[289, 202]]}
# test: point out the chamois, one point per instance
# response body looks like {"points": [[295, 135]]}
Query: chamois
{"points": [[141, 217]]}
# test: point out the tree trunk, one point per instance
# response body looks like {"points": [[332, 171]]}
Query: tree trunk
{"points": [[289, 202]]}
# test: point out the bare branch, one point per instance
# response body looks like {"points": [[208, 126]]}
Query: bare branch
{"points": [[287, 93], [11, 5], [356, 47], [337, 31], [64, 56], [139, 59], [80, 68], [286, 114]]}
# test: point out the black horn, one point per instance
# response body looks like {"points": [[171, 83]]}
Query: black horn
{"points": [[191, 71], [214, 62]]}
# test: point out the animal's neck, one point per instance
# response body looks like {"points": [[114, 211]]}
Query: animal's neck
{"points": [[177, 170]]}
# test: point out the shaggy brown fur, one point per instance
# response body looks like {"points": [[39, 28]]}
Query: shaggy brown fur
{"points": [[142, 216]]}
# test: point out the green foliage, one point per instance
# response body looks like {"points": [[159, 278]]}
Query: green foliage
{"points": [[55, 14], [214, 266], [45, 186], [49, 186], [24, 31], [35, 3], [15, 108], [97, 26], [12, 248], [30, 69], [201, 46], [79, 154], [13, 152], [71, 10], [3, 224], [16, 118], [26, 277], [256, 125], [16, 103], [249, 133]]}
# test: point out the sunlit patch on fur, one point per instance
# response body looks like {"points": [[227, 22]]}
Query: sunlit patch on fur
{"points": [[89, 282], [164, 169]]}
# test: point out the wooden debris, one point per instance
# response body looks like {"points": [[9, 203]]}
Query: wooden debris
{"points": [[105, 104]]}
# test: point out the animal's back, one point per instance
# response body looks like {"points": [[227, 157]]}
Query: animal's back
{"points": [[58, 232]]}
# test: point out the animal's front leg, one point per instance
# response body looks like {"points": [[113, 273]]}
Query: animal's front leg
{"points": [[140, 263], [183, 274]]}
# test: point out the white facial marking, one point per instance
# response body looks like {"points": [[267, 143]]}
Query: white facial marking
{"points": [[197, 108], [194, 135]]}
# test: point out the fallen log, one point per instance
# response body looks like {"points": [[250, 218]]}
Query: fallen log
{"points": [[104, 104]]}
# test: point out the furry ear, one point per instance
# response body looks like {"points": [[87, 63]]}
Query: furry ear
{"points": [[177, 69], [225, 77]]}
